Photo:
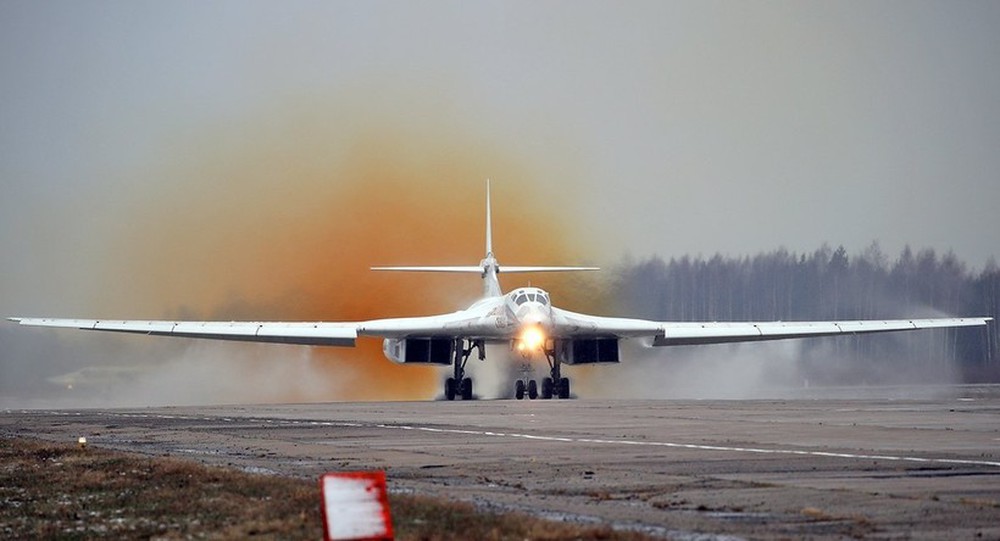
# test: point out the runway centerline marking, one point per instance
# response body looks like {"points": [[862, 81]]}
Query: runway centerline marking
{"points": [[798, 452], [561, 439]]}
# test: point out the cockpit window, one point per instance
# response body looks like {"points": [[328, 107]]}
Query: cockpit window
{"points": [[538, 296]]}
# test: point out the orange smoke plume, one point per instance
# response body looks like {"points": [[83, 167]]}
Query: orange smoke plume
{"points": [[285, 225]]}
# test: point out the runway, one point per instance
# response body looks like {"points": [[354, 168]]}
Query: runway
{"points": [[925, 467]]}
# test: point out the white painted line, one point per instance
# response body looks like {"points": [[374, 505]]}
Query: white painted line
{"points": [[599, 441], [755, 450]]}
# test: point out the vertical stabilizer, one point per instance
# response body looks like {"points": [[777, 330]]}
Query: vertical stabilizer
{"points": [[488, 268], [491, 285], [489, 222]]}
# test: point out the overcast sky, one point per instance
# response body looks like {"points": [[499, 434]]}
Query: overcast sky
{"points": [[159, 145], [686, 127], [668, 127]]}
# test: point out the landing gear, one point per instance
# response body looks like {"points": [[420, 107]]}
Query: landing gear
{"points": [[553, 386], [563, 388], [459, 385], [461, 388]]}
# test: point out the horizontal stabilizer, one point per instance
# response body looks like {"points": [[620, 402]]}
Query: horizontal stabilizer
{"points": [[500, 269], [467, 268], [512, 268]]}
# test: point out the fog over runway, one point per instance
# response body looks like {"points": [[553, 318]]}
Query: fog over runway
{"points": [[917, 462]]}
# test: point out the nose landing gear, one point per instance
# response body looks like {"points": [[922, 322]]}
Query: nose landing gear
{"points": [[554, 386]]}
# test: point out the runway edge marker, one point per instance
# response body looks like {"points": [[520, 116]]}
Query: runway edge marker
{"points": [[355, 506]]}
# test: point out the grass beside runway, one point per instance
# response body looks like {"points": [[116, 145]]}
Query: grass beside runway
{"points": [[61, 491]]}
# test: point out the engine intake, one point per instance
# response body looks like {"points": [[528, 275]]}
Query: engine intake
{"points": [[588, 350], [419, 350]]}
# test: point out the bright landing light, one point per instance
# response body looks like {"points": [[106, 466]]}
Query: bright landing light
{"points": [[532, 339]]}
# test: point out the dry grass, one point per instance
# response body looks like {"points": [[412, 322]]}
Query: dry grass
{"points": [[50, 490], [815, 514], [979, 502], [60, 491]]}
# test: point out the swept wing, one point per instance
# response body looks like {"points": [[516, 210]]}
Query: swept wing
{"points": [[472, 324], [311, 334], [572, 324]]}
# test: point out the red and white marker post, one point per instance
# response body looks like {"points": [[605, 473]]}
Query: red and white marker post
{"points": [[355, 506]]}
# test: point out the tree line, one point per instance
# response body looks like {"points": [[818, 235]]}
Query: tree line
{"points": [[829, 284]]}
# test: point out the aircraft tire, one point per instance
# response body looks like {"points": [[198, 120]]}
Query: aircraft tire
{"points": [[467, 389], [449, 389], [519, 390], [532, 389], [547, 388], [564, 388]]}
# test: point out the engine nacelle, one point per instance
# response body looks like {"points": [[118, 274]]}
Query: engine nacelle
{"points": [[419, 350], [588, 350]]}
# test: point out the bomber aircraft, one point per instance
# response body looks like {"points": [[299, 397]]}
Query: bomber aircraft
{"points": [[523, 318]]}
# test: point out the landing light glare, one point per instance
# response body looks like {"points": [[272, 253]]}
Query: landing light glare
{"points": [[532, 339]]}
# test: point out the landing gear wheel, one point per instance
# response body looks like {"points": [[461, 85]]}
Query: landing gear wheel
{"points": [[547, 388], [564, 388], [555, 384], [519, 390], [532, 389], [459, 384], [467, 389]]}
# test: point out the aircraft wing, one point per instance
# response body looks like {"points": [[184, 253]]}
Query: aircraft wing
{"points": [[311, 334], [693, 333], [679, 334], [467, 324], [470, 324]]}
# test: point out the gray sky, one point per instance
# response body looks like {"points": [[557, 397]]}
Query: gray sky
{"points": [[679, 127], [634, 128]]}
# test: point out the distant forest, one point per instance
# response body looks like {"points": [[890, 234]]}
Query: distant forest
{"points": [[830, 284]]}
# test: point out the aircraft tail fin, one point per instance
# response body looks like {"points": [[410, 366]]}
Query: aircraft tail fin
{"points": [[489, 223], [514, 268], [488, 268]]}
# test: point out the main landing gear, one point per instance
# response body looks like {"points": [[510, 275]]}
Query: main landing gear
{"points": [[553, 386], [459, 385]]}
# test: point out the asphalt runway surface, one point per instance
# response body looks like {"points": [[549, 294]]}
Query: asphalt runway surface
{"points": [[879, 465]]}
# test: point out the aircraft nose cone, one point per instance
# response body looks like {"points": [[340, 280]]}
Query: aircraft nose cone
{"points": [[535, 315]]}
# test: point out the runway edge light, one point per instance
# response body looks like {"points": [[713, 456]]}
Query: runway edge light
{"points": [[355, 506]]}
